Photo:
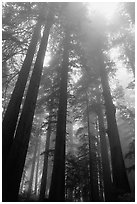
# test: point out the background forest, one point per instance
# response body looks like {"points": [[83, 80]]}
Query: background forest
{"points": [[68, 99]]}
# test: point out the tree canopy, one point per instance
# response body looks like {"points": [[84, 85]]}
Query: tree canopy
{"points": [[68, 99]]}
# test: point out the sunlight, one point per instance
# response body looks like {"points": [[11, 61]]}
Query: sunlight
{"points": [[47, 60], [105, 8]]}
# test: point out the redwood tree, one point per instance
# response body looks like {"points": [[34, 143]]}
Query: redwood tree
{"points": [[45, 166], [33, 163], [120, 179], [104, 153], [18, 151], [57, 189], [94, 194], [12, 112]]}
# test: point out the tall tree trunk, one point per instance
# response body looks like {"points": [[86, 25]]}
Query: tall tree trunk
{"points": [[100, 172], [18, 151], [45, 166], [11, 115], [22, 182], [37, 166], [120, 179], [33, 165], [104, 155], [57, 189], [94, 195]]}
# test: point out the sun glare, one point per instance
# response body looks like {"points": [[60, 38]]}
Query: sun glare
{"points": [[106, 8], [47, 60]]}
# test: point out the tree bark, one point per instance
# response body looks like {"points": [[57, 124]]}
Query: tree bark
{"points": [[57, 189], [45, 166], [11, 115], [18, 151], [94, 194], [22, 182], [33, 166], [120, 179], [104, 154], [37, 166]]}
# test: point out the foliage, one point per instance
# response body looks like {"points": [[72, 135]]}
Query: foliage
{"points": [[89, 32]]}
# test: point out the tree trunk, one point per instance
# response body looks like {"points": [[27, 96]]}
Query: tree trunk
{"points": [[19, 148], [120, 179], [22, 182], [37, 166], [100, 172], [45, 166], [94, 195], [11, 115], [104, 155], [57, 189], [33, 166]]}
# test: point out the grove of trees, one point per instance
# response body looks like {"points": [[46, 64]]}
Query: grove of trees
{"points": [[68, 83]]}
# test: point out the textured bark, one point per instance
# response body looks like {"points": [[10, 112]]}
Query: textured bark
{"points": [[57, 189], [11, 115], [45, 166], [120, 179], [20, 144]]}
